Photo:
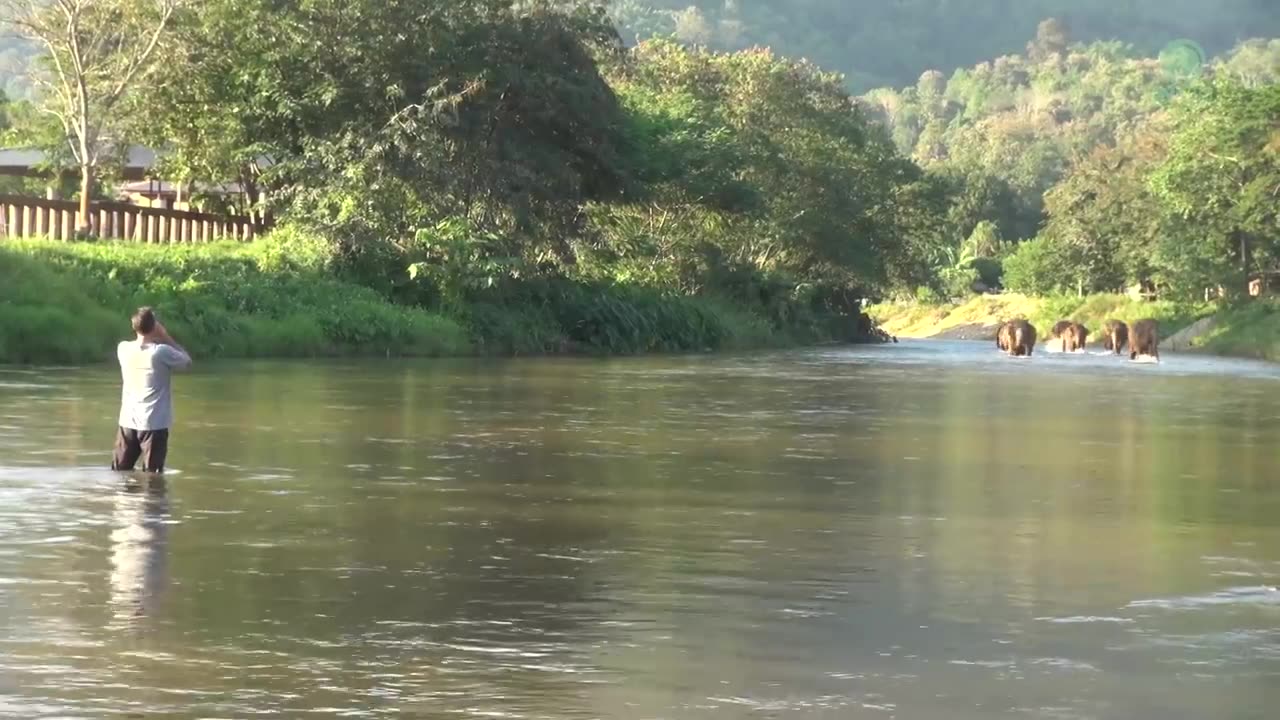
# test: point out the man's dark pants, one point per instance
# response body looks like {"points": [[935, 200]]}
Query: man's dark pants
{"points": [[150, 445]]}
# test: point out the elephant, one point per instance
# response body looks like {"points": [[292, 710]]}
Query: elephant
{"points": [[1115, 336], [1071, 334], [1144, 339], [1022, 338], [1004, 337], [1075, 337]]}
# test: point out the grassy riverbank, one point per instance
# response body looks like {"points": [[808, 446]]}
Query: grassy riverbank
{"points": [[1251, 330], [69, 302]]}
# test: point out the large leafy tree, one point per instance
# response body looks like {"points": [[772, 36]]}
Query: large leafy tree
{"points": [[780, 144], [1222, 178], [379, 116], [1103, 217], [94, 54]]}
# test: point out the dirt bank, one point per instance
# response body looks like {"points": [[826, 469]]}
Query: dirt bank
{"points": [[1251, 330]]}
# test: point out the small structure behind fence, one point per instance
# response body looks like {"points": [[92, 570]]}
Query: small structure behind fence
{"points": [[29, 217]]}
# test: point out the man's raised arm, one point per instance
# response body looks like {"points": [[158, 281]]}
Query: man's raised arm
{"points": [[179, 358]]}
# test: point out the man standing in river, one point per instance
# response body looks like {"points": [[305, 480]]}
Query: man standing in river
{"points": [[146, 405]]}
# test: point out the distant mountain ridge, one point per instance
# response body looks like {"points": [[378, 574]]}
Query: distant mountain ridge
{"points": [[889, 43]]}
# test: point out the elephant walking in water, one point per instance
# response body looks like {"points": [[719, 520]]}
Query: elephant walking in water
{"points": [[1077, 335], [1004, 337], [1017, 337], [1144, 339], [1072, 334], [1115, 336]]}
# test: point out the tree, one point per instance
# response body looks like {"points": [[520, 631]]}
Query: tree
{"points": [[691, 26], [1254, 63], [493, 111], [94, 53], [1051, 41], [1038, 267], [1222, 173], [1104, 215], [833, 198]]}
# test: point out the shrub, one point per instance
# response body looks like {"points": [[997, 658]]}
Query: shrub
{"points": [[926, 295], [1036, 267], [221, 299], [990, 271]]}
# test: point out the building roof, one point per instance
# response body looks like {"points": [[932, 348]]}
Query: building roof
{"points": [[159, 187], [20, 157], [28, 161], [139, 160]]}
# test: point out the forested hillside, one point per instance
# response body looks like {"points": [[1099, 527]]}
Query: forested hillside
{"points": [[890, 42], [1067, 143]]}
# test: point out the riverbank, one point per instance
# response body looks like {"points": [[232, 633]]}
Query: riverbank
{"points": [[68, 303], [1248, 331]]}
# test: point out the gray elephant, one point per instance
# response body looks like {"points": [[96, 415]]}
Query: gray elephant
{"points": [[1021, 338], [1115, 336], [1144, 339]]}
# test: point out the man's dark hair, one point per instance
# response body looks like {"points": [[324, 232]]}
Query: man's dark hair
{"points": [[144, 321]]}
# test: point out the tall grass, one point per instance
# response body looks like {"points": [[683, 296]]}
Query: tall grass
{"points": [[989, 310], [69, 302], [1250, 330], [603, 318], [289, 296], [1094, 311], [49, 316]]}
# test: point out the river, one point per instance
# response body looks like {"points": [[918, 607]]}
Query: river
{"points": [[926, 530]]}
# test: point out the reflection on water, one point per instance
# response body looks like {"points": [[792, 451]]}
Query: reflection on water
{"points": [[138, 548], [927, 530]]}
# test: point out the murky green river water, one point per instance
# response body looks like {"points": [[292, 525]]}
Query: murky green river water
{"points": [[927, 530]]}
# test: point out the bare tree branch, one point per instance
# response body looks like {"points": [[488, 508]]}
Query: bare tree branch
{"points": [[95, 51], [167, 8]]}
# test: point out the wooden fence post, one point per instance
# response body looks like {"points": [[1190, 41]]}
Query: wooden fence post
{"points": [[28, 221], [28, 217]]}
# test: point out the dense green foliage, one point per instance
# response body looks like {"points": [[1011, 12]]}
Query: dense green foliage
{"points": [[1125, 169], [222, 300], [279, 298], [1188, 202], [758, 165], [880, 43], [1251, 330]]}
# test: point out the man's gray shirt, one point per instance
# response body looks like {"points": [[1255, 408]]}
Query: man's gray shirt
{"points": [[145, 369]]}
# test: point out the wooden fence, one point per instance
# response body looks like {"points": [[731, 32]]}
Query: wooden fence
{"points": [[29, 217]]}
